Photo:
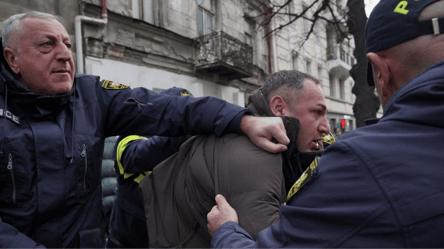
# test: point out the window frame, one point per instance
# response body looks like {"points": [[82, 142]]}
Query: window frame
{"points": [[294, 62], [341, 88], [305, 18], [139, 9], [320, 73], [332, 84], [205, 14], [308, 66]]}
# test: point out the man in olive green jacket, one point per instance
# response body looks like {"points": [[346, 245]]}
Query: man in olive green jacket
{"points": [[180, 191]]}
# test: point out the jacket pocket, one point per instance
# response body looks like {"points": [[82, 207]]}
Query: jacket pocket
{"points": [[15, 175], [10, 167], [83, 185], [87, 163]]}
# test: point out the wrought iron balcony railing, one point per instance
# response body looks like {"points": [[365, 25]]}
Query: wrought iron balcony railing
{"points": [[222, 54]]}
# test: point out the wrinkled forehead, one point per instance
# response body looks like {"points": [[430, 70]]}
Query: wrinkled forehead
{"points": [[34, 27], [37, 23]]}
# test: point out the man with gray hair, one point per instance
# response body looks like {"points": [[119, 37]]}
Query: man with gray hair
{"points": [[53, 128], [379, 186], [180, 191]]}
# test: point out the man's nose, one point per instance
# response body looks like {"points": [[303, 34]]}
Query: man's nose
{"points": [[63, 52], [324, 127]]}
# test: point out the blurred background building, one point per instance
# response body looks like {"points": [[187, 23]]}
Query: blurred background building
{"points": [[211, 47]]}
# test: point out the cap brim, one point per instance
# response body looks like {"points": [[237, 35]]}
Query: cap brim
{"points": [[370, 81]]}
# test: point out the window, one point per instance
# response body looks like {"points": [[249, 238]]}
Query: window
{"points": [[317, 32], [291, 10], [320, 76], [205, 17], [305, 16], [295, 61], [308, 66], [144, 10], [341, 89], [332, 124], [332, 86], [342, 53], [293, 13], [249, 31], [292, 28], [331, 53]]}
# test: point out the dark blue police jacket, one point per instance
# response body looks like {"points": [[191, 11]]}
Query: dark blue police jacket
{"points": [[51, 149], [377, 186], [141, 155]]}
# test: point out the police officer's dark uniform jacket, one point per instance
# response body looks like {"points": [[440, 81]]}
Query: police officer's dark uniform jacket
{"points": [[136, 156], [180, 192], [51, 150]]}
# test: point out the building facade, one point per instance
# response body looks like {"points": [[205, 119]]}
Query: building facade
{"points": [[210, 47], [325, 56]]}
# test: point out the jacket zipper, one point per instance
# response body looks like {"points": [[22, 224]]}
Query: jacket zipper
{"points": [[11, 170], [85, 155]]}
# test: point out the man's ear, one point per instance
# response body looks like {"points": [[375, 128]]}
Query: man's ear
{"points": [[381, 70], [11, 57], [278, 106]]}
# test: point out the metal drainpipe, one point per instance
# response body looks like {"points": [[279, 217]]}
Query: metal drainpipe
{"points": [[78, 29]]}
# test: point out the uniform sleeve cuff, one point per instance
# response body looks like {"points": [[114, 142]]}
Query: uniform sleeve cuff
{"points": [[234, 125]]}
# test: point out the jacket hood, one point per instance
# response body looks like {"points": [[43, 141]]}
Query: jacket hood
{"points": [[21, 99], [421, 100], [258, 104]]}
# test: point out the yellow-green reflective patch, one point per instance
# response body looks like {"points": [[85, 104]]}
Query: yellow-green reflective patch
{"points": [[185, 93], [328, 138], [141, 176], [110, 85]]}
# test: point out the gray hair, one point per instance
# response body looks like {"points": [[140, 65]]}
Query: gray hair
{"points": [[281, 82], [12, 24]]}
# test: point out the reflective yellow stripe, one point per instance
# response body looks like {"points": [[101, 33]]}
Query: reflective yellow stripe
{"points": [[120, 148], [126, 175], [303, 179], [141, 176]]}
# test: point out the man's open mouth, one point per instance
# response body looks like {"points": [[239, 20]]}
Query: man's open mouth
{"points": [[317, 144]]}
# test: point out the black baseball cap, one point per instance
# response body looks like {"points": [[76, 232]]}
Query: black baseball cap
{"points": [[393, 22]]}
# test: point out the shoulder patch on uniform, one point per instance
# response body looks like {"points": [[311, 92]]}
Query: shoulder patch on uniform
{"points": [[328, 138], [185, 93], [306, 177], [110, 85]]}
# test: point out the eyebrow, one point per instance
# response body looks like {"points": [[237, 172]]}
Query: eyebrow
{"points": [[323, 106], [52, 37]]}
